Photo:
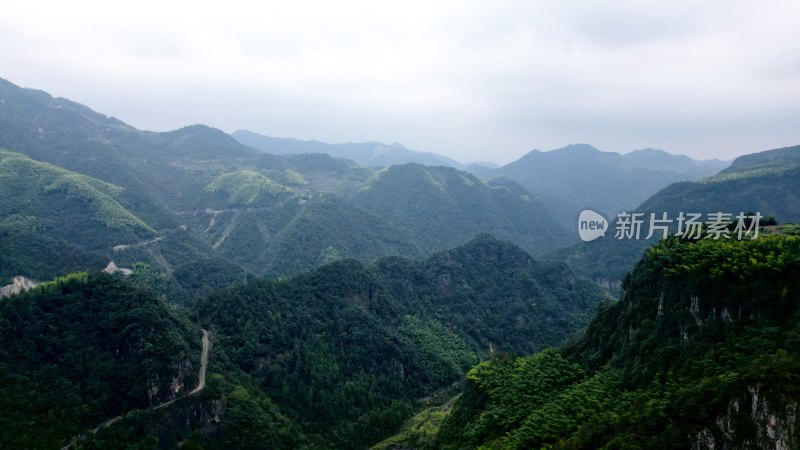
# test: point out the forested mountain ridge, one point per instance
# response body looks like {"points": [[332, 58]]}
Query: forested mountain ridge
{"points": [[218, 210], [50, 217], [25, 181], [337, 357], [701, 351], [354, 337], [767, 182], [580, 176], [371, 154], [457, 206], [771, 160], [83, 349], [346, 351]]}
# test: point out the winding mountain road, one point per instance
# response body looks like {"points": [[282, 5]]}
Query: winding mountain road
{"points": [[201, 384]]}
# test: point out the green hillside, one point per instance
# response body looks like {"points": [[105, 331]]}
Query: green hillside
{"points": [[700, 352], [767, 182], [348, 350], [408, 210], [247, 187], [83, 349], [53, 221], [24, 182], [442, 206], [215, 200], [298, 233], [338, 357]]}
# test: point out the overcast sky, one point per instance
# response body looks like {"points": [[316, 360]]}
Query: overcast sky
{"points": [[471, 80]]}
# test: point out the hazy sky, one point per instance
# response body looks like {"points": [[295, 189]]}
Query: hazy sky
{"points": [[471, 80]]}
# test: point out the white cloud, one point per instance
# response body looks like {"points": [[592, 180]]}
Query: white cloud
{"points": [[475, 80]]}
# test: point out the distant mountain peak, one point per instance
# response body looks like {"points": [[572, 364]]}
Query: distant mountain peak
{"points": [[578, 148], [486, 164], [212, 141], [571, 151], [650, 150], [654, 156], [380, 150], [374, 154], [199, 128]]}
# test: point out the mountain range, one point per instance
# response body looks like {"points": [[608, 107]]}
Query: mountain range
{"points": [[334, 358], [208, 204], [700, 352], [196, 203], [371, 154], [293, 298], [767, 182], [580, 176]]}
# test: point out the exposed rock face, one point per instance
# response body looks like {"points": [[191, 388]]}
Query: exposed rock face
{"points": [[776, 428], [112, 268], [20, 284]]}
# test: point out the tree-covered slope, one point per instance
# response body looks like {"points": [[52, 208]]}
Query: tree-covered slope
{"points": [[160, 172], [83, 349], [442, 206], [767, 182], [53, 220], [580, 176], [218, 200], [296, 234], [701, 351], [247, 187], [27, 185], [346, 351], [408, 210]]}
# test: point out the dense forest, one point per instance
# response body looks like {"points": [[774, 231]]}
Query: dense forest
{"points": [[90, 187], [348, 350], [348, 304], [85, 348], [701, 351], [339, 357]]}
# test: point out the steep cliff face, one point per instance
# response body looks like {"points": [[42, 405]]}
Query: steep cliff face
{"points": [[160, 390], [701, 351], [712, 312], [776, 425]]}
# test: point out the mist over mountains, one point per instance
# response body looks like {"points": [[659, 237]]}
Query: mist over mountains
{"points": [[580, 176], [366, 295], [765, 182], [371, 154], [206, 204]]}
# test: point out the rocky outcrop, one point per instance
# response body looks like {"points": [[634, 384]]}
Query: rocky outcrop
{"points": [[20, 284], [112, 269], [776, 427]]}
